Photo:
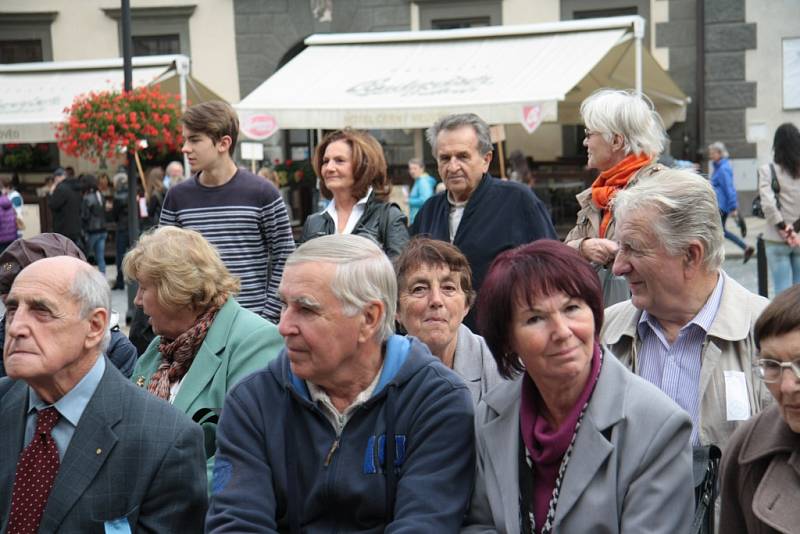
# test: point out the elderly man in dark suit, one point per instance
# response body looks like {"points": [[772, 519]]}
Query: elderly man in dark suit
{"points": [[81, 448]]}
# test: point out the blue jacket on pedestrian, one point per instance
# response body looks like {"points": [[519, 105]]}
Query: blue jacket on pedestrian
{"points": [[280, 461], [421, 191], [722, 180]]}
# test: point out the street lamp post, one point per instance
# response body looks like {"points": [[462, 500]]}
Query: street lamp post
{"points": [[133, 205]]}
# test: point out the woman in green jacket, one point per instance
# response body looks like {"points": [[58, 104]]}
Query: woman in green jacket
{"points": [[205, 341]]}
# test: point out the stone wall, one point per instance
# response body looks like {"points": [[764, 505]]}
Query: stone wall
{"points": [[680, 36], [270, 32], [267, 29], [727, 94]]}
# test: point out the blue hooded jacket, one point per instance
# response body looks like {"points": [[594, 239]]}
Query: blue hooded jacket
{"points": [[722, 180], [278, 470]]}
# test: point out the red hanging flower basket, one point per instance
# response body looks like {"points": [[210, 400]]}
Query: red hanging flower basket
{"points": [[106, 123]]}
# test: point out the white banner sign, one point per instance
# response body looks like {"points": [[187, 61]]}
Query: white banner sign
{"points": [[252, 151], [791, 73]]}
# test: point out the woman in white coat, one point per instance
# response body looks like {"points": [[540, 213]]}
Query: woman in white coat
{"points": [[576, 443]]}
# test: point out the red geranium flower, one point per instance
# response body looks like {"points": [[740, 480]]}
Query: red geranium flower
{"points": [[102, 123]]}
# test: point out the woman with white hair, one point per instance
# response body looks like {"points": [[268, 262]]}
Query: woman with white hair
{"points": [[623, 135], [722, 180]]}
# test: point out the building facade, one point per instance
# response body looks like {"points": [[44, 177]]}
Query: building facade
{"points": [[62, 30], [728, 56]]}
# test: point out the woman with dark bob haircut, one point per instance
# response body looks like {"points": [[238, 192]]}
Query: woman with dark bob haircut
{"points": [[352, 171], [576, 443], [759, 478]]}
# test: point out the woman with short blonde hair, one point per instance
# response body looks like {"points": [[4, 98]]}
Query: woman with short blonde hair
{"points": [[205, 341], [184, 268]]}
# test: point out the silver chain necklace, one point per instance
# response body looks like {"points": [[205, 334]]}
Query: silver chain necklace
{"points": [[551, 509]]}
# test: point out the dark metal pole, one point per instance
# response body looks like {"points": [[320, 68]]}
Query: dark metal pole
{"points": [[133, 204], [761, 267], [700, 80]]}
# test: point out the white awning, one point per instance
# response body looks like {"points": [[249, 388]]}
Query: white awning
{"points": [[409, 79], [33, 95]]}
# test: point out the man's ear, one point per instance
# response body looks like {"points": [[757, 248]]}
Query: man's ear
{"points": [[224, 144], [487, 159], [372, 315], [694, 256], [98, 324]]}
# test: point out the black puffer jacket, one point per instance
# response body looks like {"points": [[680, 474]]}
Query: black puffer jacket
{"points": [[383, 222], [93, 212], [65, 203]]}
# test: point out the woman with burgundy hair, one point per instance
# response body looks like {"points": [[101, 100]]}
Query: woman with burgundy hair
{"points": [[575, 443]]}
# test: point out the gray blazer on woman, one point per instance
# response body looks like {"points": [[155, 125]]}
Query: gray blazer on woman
{"points": [[630, 470], [474, 363]]}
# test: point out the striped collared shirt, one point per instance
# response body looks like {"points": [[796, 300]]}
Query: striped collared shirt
{"points": [[675, 368]]}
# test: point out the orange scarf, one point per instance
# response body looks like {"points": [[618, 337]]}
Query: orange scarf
{"points": [[612, 180]]}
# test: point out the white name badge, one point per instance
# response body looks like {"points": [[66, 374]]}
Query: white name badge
{"points": [[736, 402]]}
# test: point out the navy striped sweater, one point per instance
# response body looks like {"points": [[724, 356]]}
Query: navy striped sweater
{"points": [[245, 219]]}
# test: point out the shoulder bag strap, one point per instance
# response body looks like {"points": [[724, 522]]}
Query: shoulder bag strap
{"points": [[776, 186], [706, 491]]}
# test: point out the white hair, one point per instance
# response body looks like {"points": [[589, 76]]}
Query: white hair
{"points": [[719, 146], [120, 180], [91, 290], [363, 274], [681, 207], [626, 113], [176, 165]]}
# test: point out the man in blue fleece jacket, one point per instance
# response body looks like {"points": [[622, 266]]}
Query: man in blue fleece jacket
{"points": [[304, 445]]}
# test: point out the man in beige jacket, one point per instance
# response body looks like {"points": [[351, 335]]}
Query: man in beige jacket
{"points": [[688, 327]]}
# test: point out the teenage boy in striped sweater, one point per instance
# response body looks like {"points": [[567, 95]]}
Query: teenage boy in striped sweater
{"points": [[238, 212]]}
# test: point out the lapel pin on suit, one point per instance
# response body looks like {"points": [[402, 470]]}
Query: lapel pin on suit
{"points": [[140, 381]]}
